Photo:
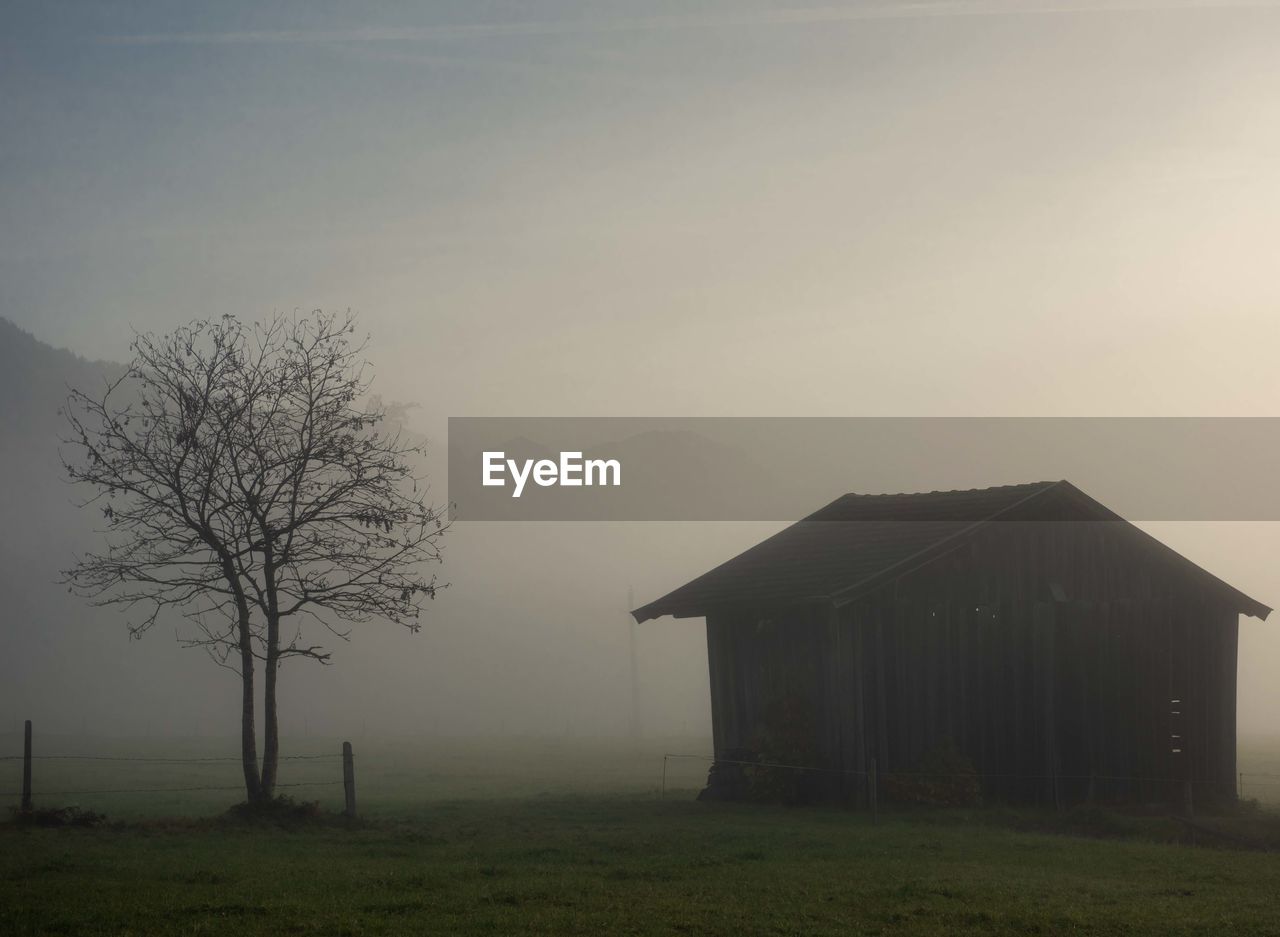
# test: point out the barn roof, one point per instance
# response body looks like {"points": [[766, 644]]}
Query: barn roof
{"points": [[876, 537]]}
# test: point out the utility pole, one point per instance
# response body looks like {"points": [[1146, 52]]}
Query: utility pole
{"points": [[26, 767], [635, 670]]}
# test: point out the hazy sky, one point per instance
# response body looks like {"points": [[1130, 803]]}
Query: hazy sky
{"points": [[679, 209], [616, 208]]}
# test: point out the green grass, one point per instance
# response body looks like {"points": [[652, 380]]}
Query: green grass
{"points": [[619, 864], [571, 837]]}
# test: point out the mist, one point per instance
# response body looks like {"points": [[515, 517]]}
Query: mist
{"points": [[980, 209]]}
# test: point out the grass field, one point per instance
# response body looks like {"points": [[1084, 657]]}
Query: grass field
{"points": [[571, 837]]}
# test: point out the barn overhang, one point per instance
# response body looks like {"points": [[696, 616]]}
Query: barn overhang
{"points": [[860, 543]]}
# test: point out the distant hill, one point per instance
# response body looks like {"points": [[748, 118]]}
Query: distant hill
{"points": [[46, 635], [35, 377], [35, 380], [35, 499]]}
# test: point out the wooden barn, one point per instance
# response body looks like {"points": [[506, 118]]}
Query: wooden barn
{"points": [[1062, 651]]}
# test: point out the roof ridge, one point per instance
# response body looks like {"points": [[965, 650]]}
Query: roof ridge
{"points": [[948, 491]]}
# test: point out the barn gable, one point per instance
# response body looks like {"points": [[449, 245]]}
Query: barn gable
{"points": [[858, 541]]}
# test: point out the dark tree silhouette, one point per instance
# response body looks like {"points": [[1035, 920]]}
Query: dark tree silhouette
{"points": [[244, 490]]}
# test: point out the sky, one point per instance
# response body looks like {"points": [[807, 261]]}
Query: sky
{"points": [[701, 209], [617, 209]]}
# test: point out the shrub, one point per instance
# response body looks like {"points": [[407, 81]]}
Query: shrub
{"points": [[277, 810], [57, 816]]}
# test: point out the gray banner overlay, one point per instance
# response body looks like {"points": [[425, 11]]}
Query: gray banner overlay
{"points": [[766, 469]]}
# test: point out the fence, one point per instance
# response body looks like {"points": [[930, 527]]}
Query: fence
{"points": [[871, 779], [403, 775], [28, 757]]}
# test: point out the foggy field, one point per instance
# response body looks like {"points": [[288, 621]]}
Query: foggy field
{"points": [[571, 836], [391, 776]]}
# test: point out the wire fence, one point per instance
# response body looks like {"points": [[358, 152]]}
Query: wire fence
{"points": [[29, 760], [178, 776], [166, 790], [166, 760], [1253, 779], [1260, 785]]}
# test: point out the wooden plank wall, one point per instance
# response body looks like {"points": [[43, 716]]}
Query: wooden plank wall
{"points": [[1048, 654]]}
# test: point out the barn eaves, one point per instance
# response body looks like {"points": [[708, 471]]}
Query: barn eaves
{"points": [[858, 543]]}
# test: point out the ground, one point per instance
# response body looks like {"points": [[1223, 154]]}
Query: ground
{"points": [[465, 852]]}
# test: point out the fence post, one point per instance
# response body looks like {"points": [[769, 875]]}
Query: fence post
{"points": [[349, 779], [663, 796], [873, 793], [26, 767], [1187, 806]]}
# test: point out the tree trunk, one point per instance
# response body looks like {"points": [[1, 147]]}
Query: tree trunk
{"points": [[248, 731], [270, 731]]}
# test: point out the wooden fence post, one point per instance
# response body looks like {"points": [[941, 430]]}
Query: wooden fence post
{"points": [[26, 767], [349, 779], [873, 793]]}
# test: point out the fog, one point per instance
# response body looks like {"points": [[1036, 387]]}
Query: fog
{"points": [[952, 209]]}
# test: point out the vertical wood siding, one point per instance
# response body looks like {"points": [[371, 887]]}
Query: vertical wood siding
{"points": [[1049, 654]]}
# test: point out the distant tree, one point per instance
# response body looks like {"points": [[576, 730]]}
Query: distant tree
{"points": [[243, 489]]}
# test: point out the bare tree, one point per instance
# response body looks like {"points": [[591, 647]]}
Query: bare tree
{"points": [[243, 490]]}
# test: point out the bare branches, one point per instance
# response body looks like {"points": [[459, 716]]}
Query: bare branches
{"points": [[241, 485]]}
